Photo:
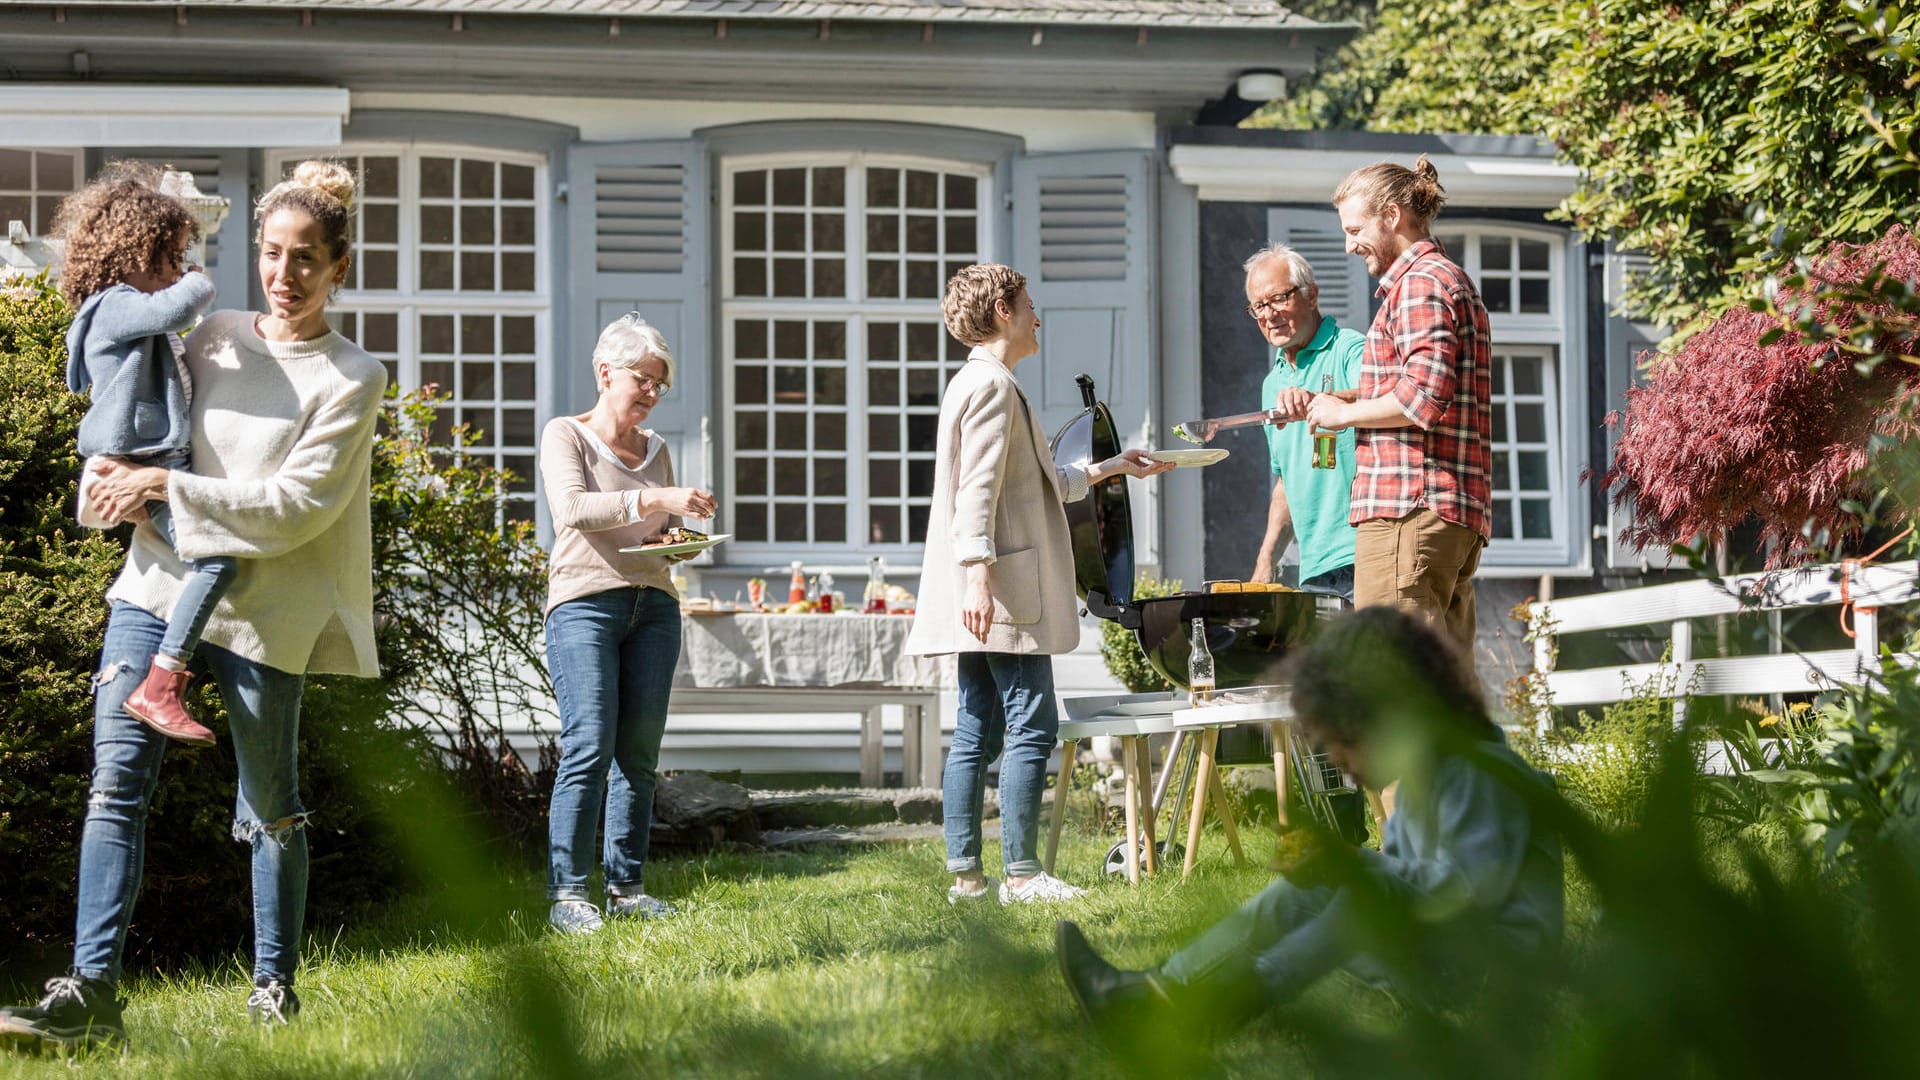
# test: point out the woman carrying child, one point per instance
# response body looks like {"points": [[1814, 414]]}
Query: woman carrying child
{"points": [[282, 485]]}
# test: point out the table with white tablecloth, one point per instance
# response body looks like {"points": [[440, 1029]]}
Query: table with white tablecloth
{"points": [[850, 663]]}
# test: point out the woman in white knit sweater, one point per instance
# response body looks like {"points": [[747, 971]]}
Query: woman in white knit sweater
{"points": [[613, 623], [283, 423]]}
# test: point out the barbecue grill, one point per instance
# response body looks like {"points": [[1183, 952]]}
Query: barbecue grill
{"points": [[1250, 634]]}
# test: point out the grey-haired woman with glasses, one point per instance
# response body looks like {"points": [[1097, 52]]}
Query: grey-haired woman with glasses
{"points": [[613, 623]]}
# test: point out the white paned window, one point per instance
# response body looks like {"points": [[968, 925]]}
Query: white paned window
{"points": [[1523, 278], [448, 289], [1525, 459], [835, 351], [32, 183]]}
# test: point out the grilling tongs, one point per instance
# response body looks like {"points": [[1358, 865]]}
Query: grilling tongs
{"points": [[1203, 431]]}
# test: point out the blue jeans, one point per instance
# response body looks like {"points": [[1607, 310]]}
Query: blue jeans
{"points": [[612, 656], [263, 709], [206, 583], [1338, 581], [1006, 703]]}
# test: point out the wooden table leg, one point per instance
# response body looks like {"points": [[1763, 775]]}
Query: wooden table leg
{"points": [[1145, 769], [1278, 730], [1379, 808], [1060, 800], [1133, 814], [1224, 807], [1202, 780]]}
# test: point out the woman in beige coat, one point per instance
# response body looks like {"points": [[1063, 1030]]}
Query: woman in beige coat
{"points": [[997, 584]]}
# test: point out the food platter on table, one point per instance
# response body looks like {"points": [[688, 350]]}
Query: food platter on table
{"points": [[678, 542]]}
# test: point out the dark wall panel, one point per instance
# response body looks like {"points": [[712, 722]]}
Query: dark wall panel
{"points": [[1234, 358]]}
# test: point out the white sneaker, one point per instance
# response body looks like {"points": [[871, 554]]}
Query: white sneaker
{"points": [[1040, 887], [638, 906], [958, 895], [574, 917]]}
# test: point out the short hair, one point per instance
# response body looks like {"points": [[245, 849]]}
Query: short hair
{"points": [[120, 224], [1416, 190], [324, 191], [629, 341], [971, 293], [1299, 270], [1372, 665]]}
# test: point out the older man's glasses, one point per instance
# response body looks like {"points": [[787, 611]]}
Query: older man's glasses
{"points": [[1259, 308]]}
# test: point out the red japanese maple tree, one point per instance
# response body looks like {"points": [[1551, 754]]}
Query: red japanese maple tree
{"points": [[1730, 429]]}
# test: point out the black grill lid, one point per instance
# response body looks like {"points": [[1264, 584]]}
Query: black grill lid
{"points": [[1102, 523]]}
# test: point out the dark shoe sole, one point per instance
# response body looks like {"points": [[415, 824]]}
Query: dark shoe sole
{"points": [[21, 1037]]}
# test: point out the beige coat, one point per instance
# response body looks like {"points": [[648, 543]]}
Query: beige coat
{"points": [[997, 497]]}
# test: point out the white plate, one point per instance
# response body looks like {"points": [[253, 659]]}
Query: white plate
{"points": [[1189, 459], [678, 549]]}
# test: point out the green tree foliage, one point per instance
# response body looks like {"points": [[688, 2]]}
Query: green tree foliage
{"points": [[1716, 136], [1434, 66], [1121, 650]]}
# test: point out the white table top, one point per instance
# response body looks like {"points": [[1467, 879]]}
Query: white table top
{"points": [[1228, 714]]}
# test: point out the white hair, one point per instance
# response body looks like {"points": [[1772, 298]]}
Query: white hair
{"points": [[1299, 270], [630, 341]]}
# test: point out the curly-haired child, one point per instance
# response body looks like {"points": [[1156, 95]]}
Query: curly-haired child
{"points": [[132, 294]]}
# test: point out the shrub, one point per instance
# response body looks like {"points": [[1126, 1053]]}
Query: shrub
{"points": [[1606, 764], [1121, 651]]}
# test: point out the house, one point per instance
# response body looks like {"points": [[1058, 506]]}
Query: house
{"points": [[783, 187]]}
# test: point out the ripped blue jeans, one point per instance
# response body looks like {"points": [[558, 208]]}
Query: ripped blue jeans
{"points": [[263, 709]]}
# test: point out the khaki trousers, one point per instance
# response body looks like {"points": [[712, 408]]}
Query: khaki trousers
{"points": [[1421, 564]]}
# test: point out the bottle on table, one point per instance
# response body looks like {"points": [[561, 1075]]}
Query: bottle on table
{"points": [[826, 593], [1200, 676], [797, 586], [876, 594]]}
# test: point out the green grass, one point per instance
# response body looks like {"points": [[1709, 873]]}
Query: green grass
{"points": [[812, 963]]}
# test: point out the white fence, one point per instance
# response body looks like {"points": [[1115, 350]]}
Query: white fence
{"points": [[1866, 588]]}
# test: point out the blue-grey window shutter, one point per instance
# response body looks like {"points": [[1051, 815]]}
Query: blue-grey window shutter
{"points": [[1626, 340], [1345, 290], [1083, 235], [638, 241]]}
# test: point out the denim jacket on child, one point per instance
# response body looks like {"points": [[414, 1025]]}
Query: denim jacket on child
{"points": [[118, 345]]}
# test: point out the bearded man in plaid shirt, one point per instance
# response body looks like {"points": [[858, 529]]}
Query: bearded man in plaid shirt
{"points": [[1421, 494]]}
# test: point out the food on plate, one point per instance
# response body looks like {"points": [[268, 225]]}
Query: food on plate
{"points": [[679, 535]]}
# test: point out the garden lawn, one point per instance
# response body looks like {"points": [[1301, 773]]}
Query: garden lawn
{"points": [[822, 962]]}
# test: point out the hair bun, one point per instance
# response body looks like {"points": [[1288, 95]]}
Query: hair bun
{"points": [[328, 177]]}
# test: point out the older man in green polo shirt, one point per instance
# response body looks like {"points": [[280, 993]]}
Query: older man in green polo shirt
{"points": [[1311, 354]]}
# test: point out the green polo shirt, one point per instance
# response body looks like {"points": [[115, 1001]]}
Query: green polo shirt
{"points": [[1317, 498]]}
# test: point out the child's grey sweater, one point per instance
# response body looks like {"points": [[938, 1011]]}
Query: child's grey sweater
{"points": [[118, 345]]}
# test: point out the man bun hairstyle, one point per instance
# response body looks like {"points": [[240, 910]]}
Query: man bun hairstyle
{"points": [[119, 224], [1416, 191], [968, 304], [324, 190]]}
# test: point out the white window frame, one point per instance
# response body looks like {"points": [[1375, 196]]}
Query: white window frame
{"points": [[1569, 551], [406, 301], [856, 309], [34, 192]]}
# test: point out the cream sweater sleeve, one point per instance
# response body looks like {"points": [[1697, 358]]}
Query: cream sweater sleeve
{"points": [[301, 499], [563, 469]]}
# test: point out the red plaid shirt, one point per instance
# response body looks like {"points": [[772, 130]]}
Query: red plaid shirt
{"points": [[1428, 348]]}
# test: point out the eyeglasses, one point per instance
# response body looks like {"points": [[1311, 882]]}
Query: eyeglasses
{"points": [[1259, 308], [650, 385]]}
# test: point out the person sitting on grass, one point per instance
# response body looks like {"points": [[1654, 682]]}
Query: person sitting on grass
{"points": [[1466, 874]]}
